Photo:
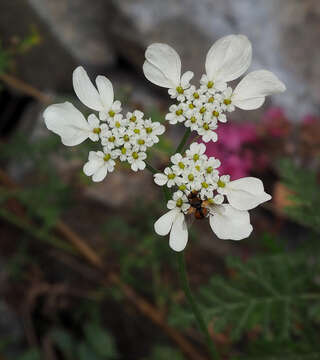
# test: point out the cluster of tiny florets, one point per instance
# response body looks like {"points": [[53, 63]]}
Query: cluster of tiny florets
{"points": [[201, 109], [193, 173], [123, 138]]}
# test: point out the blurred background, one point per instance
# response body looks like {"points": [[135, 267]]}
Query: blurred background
{"points": [[82, 274]]}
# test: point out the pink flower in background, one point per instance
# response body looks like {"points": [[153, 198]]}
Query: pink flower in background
{"points": [[276, 123], [236, 159], [310, 120]]}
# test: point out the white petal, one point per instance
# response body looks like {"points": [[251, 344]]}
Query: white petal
{"points": [[163, 225], [179, 233], [167, 61], [250, 93], [105, 89], [228, 58], [155, 76], [229, 223], [92, 166], [246, 193], [93, 121], [68, 122], [85, 90], [160, 179], [185, 78], [100, 174]]}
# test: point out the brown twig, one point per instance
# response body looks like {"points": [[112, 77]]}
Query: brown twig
{"points": [[25, 88], [139, 302]]}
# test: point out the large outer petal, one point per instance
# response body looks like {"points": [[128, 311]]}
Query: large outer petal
{"points": [[67, 122], [163, 225], [228, 58], [85, 90], [246, 193], [163, 65], [250, 93], [105, 89], [229, 223], [179, 233]]}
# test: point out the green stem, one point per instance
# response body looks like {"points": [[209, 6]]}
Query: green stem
{"points": [[183, 141], [151, 168], [195, 309]]}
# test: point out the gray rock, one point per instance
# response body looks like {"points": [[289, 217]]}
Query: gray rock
{"points": [[81, 26]]}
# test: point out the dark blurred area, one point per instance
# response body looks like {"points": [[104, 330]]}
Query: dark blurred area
{"points": [[82, 274]]}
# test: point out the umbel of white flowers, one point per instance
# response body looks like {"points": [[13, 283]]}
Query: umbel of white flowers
{"points": [[123, 138], [200, 192], [202, 108]]}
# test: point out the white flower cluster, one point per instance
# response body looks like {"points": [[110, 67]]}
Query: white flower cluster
{"points": [[201, 109], [200, 192], [123, 138]]}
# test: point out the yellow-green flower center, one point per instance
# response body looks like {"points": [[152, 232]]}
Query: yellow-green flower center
{"points": [[179, 112], [133, 118], [221, 184], [209, 169], [203, 110], [179, 202], [111, 113], [211, 99], [96, 130], [123, 150], [196, 157], [204, 185], [190, 177], [136, 131], [191, 106], [148, 130], [135, 155], [182, 187], [210, 84], [171, 176], [126, 138], [179, 90], [196, 95], [111, 139], [193, 119], [205, 126], [107, 157], [118, 124], [141, 142], [227, 101], [181, 165], [215, 113], [197, 167]]}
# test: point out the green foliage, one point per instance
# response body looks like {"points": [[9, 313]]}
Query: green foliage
{"points": [[277, 296], [5, 59], [31, 354], [305, 194], [21, 46], [165, 353], [97, 343]]}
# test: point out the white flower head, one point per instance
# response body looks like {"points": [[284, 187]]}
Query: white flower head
{"points": [[100, 99], [173, 222], [136, 159], [163, 68], [99, 164]]}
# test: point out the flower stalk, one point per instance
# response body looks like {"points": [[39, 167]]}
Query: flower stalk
{"points": [[195, 309]]}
